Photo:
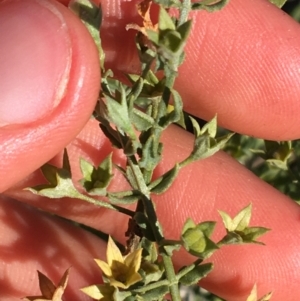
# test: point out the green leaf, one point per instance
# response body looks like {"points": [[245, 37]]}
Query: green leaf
{"points": [[124, 197], [154, 294], [165, 21], [91, 15], [164, 182], [96, 180], [210, 5], [151, 272], [151, 151], [196, 239], [210, 127], [117, 112], [150, 253], [249, 235], [207, 227], [237, 228], [50, 173], [140, 120], [184, 31], [153, 36], [239, 222], [278, 3], [63, 188], [196, 274], [122, 295], [174, 115], [205, 147], [231, 238], [171, 41], [59, 181], [60, 185], [189, 224], [205, 143]]}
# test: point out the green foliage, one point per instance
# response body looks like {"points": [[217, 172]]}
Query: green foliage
{"points": [[238, 230], [206, 144], [96, 180], [196, 238], [277, 163], [133, 115]]}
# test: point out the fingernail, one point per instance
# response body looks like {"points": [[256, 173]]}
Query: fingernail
{"points": [[35, 59]]}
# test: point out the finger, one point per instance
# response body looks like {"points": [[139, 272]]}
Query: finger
{"points": [[49, 79], [31, 241], [245, 66], [217, 183], [242, 63]]}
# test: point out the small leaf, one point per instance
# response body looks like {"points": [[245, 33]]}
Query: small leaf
{"points": [[174, 115], [278, 3], [152, 272], [184, 30], [196, 274], [239, 222], [237, 228], [210, 127], [140, 120], [96, 180], [124, 197], [205, 143], [231, 238], [196, 239], [164, 182], [210, 5], [250, 234], [207, 227], [189, 224], [165, 21], [151, 151], [91, 15], [154, 294], [64, 187], [117, 112]]}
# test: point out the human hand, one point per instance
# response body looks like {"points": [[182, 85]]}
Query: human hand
{"points": [[244, 66]]}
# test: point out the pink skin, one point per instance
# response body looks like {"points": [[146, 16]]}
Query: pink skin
{"points": [[254, 88]]}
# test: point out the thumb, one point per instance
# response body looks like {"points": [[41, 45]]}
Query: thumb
{"points": [[49, 83]]}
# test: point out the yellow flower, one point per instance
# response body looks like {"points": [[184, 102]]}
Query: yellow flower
{"points": [[121, 271]]}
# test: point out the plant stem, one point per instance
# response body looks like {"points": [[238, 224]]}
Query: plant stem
{"points": [[104, 204], [171, 276], [184, 12]]}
